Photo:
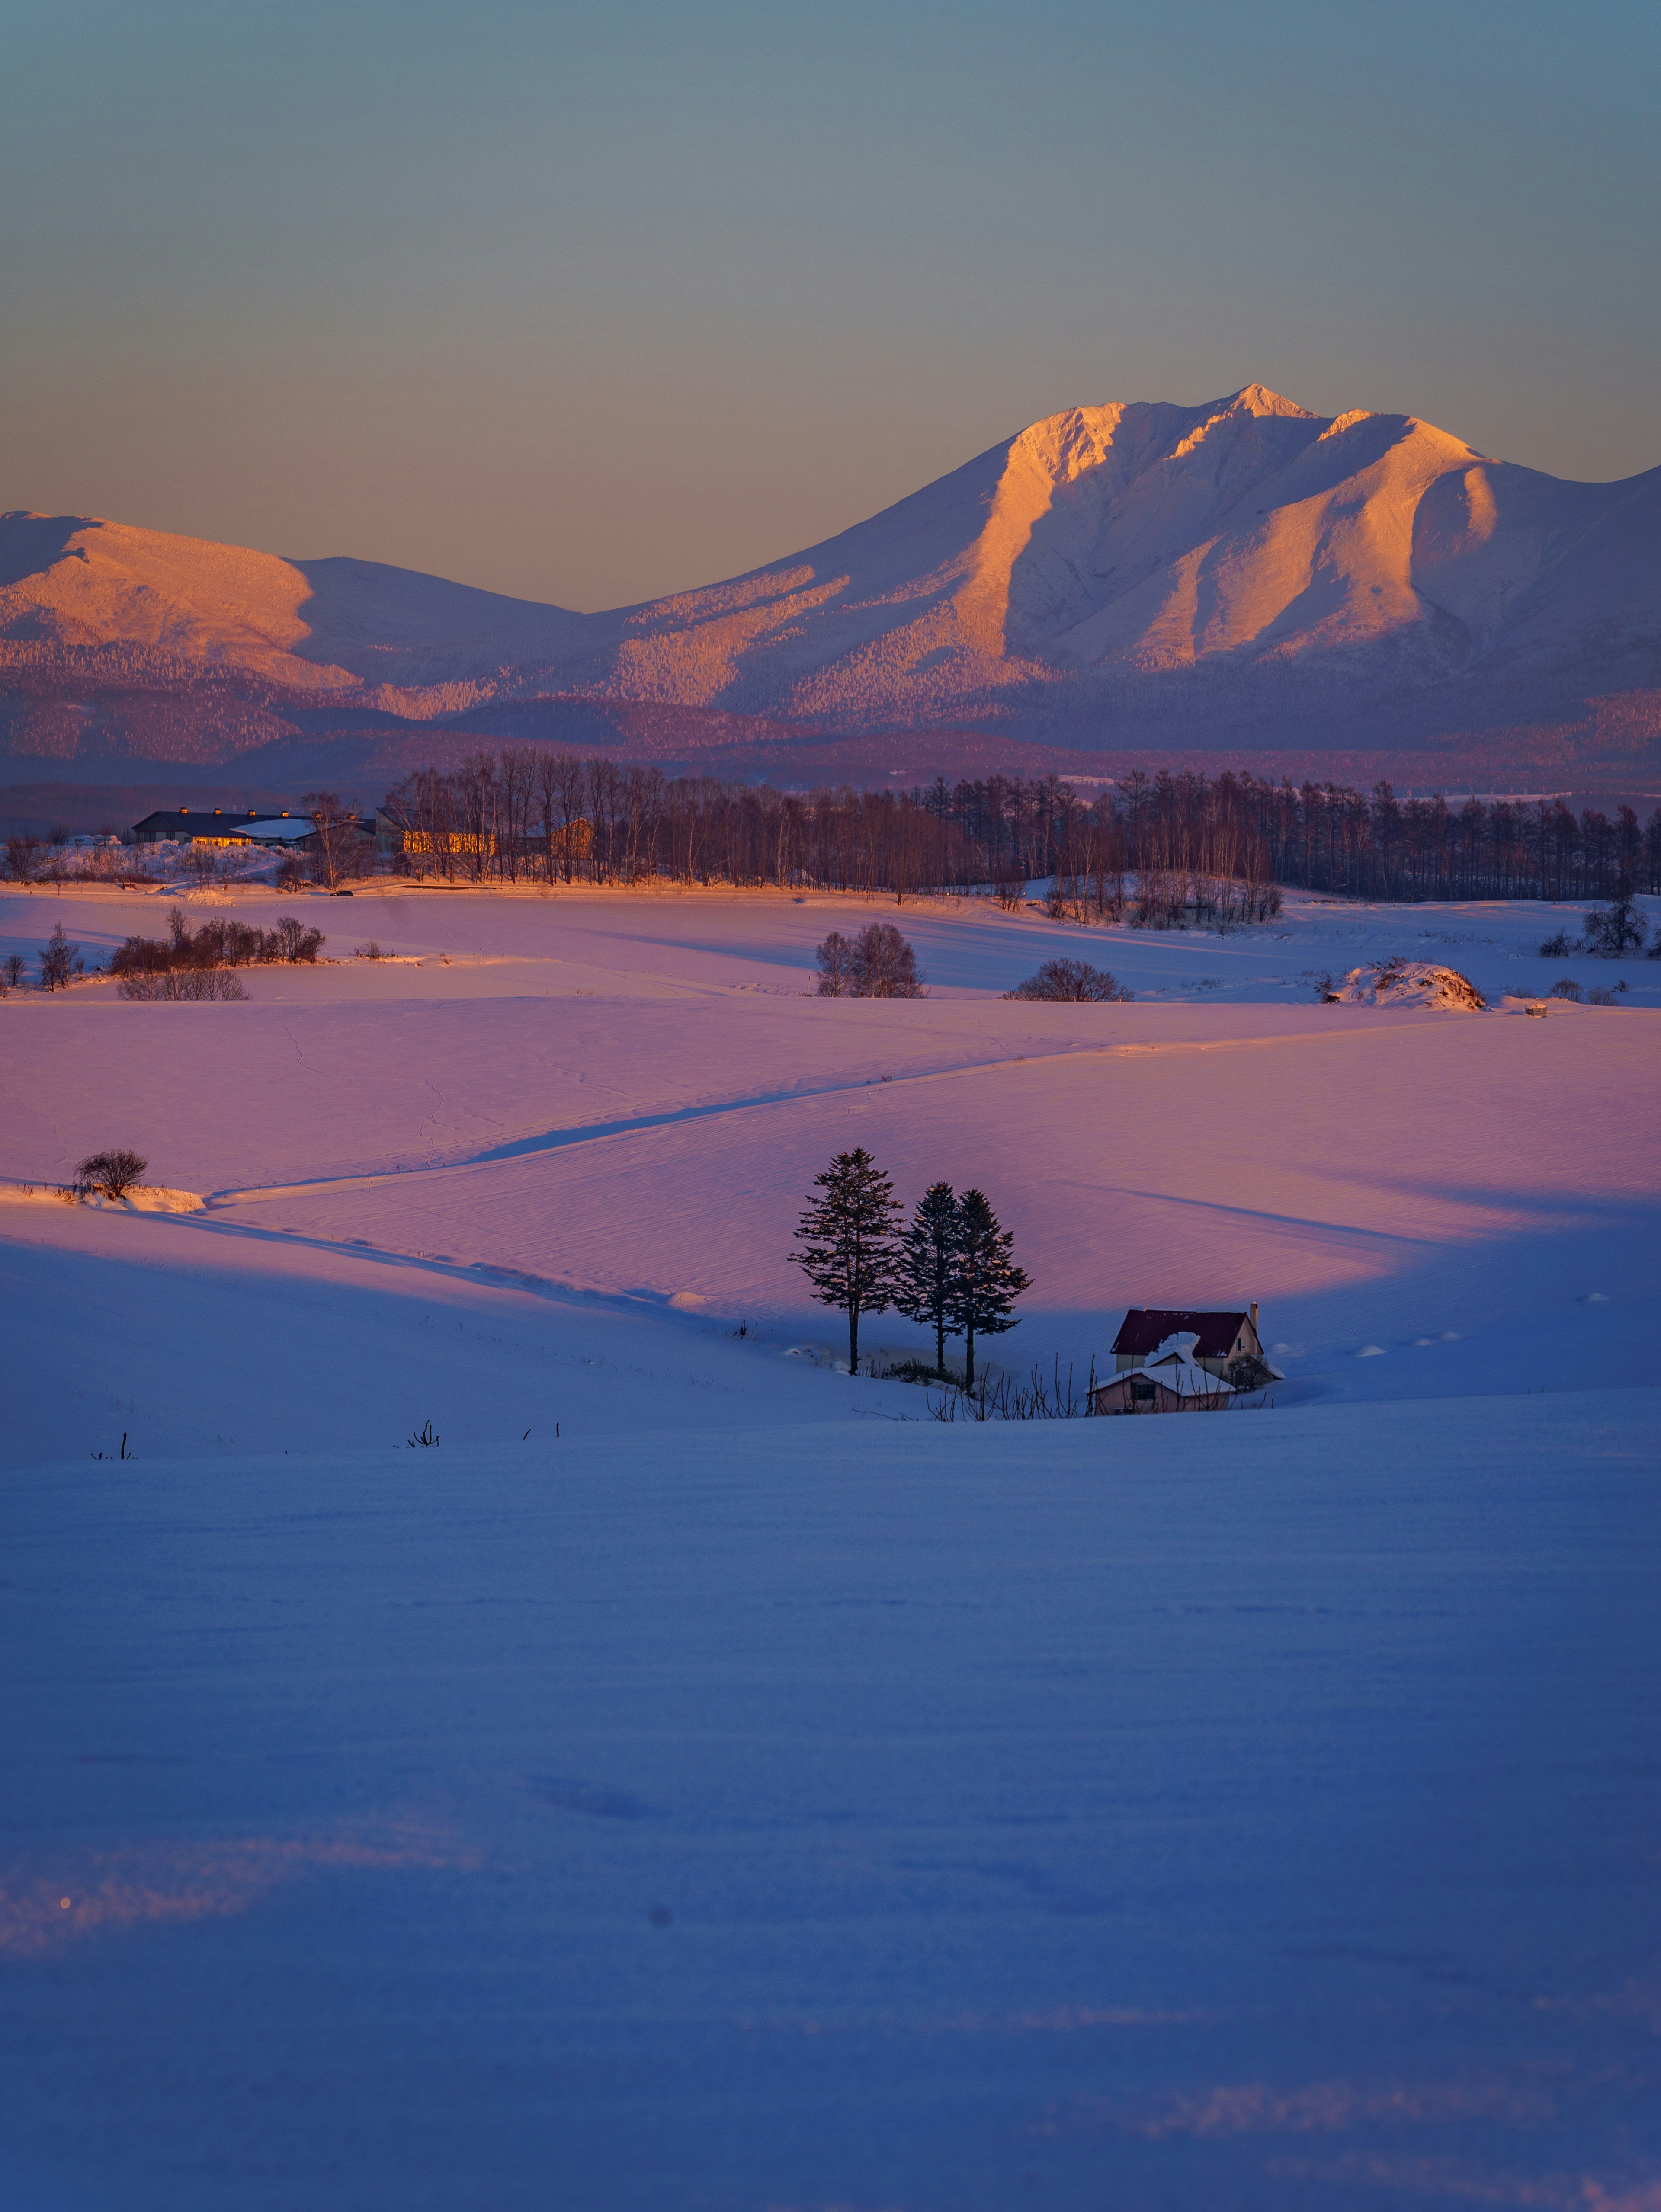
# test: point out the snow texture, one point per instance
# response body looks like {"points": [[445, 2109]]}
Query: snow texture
{"points": [[740, 1790]]}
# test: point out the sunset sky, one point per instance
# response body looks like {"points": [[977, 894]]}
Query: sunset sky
{"points": [[590, 303]]}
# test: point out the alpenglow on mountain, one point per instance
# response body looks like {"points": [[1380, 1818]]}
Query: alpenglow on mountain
{"points": [[1244, 574]]}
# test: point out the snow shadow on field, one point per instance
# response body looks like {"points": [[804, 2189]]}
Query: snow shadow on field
{"points": [[248, 1341], [196, 1335], [1268, 1824]]}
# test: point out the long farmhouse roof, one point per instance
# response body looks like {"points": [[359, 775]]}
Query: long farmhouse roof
{"points": [[1147, 1328]]}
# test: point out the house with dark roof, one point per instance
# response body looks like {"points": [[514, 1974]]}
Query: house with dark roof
{"points": [[1174, 1359], [1218, 1337], [213, 825], [1169, 1381]]}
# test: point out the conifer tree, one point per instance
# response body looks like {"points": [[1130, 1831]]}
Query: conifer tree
{"points": [[985, 1280], [845, 1240], [928, 1265]]}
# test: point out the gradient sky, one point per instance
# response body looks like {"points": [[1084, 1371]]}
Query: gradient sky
{"points": [[591, 303]]}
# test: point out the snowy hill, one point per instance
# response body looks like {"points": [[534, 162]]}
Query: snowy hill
{"points": [[1240, 573], [487, 1700]]}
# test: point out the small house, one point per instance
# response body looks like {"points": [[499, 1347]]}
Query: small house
{"points": [[1169, 1381], [1218, 1337]]}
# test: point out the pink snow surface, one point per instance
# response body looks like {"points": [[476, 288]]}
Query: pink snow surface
{"points": [[596, 1117]]}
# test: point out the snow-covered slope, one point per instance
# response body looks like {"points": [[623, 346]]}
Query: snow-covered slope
{"points": [[742, 1791], [1200, 1814], [74, 580], [547, 1171], [1146, 560]]}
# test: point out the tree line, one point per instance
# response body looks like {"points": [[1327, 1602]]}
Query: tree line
{"points": [[951, 1266], [1167, 848]]}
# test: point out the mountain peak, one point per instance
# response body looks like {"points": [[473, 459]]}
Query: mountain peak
{"points": [[1258, 399]]}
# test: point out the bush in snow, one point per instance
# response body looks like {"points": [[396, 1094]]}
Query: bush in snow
{"points": [[60, 961], [113, 1174], [1564, 988], [878, 964], [1561, 946], [1073, 980], [1619, 931], [217, 944], [193, 983], [22, 857]]}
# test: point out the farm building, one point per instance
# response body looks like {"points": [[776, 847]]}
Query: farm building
{"points": [[1171, 1380], [205, 825], [1218, 1337], [396, 832]]}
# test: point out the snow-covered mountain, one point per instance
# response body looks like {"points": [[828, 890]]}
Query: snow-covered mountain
{"points": [[1239, 573]]}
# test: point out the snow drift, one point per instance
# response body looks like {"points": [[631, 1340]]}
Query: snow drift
{"points": [[1408, 983]]}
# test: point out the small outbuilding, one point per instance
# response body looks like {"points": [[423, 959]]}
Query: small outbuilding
{"points": [[1218, 1337], [1169, 1381]]}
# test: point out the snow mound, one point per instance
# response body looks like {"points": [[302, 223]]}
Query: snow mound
{"points": [[1407, 984], [143, 1198]]}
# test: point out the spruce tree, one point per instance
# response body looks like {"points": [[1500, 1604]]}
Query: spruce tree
{"points": [[985, 1281], [927, 1264], [845, 1240]]}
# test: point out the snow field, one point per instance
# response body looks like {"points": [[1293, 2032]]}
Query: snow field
{"points": [[1256, 1814], [594, 1114], [741, 1792]]}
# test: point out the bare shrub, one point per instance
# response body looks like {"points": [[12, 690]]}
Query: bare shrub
{"points": [[1249, 1371], [1612, 935], [60, 962], [1072, 980], [1565, 987], [879, 964], [218, 943], [296, 942], [1005, 1398], [836, 960], [111, 1174], [176, 983]]}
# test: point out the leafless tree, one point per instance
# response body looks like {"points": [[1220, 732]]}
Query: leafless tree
{"points": [[112, 1174], [60, 961], [337, 838], [1073, 979], [22, 858]]}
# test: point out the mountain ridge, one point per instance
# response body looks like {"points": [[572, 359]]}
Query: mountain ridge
{"points": [[1240, 573]]}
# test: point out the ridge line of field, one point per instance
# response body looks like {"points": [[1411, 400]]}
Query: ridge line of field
{"points": [[554, 1140]]}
